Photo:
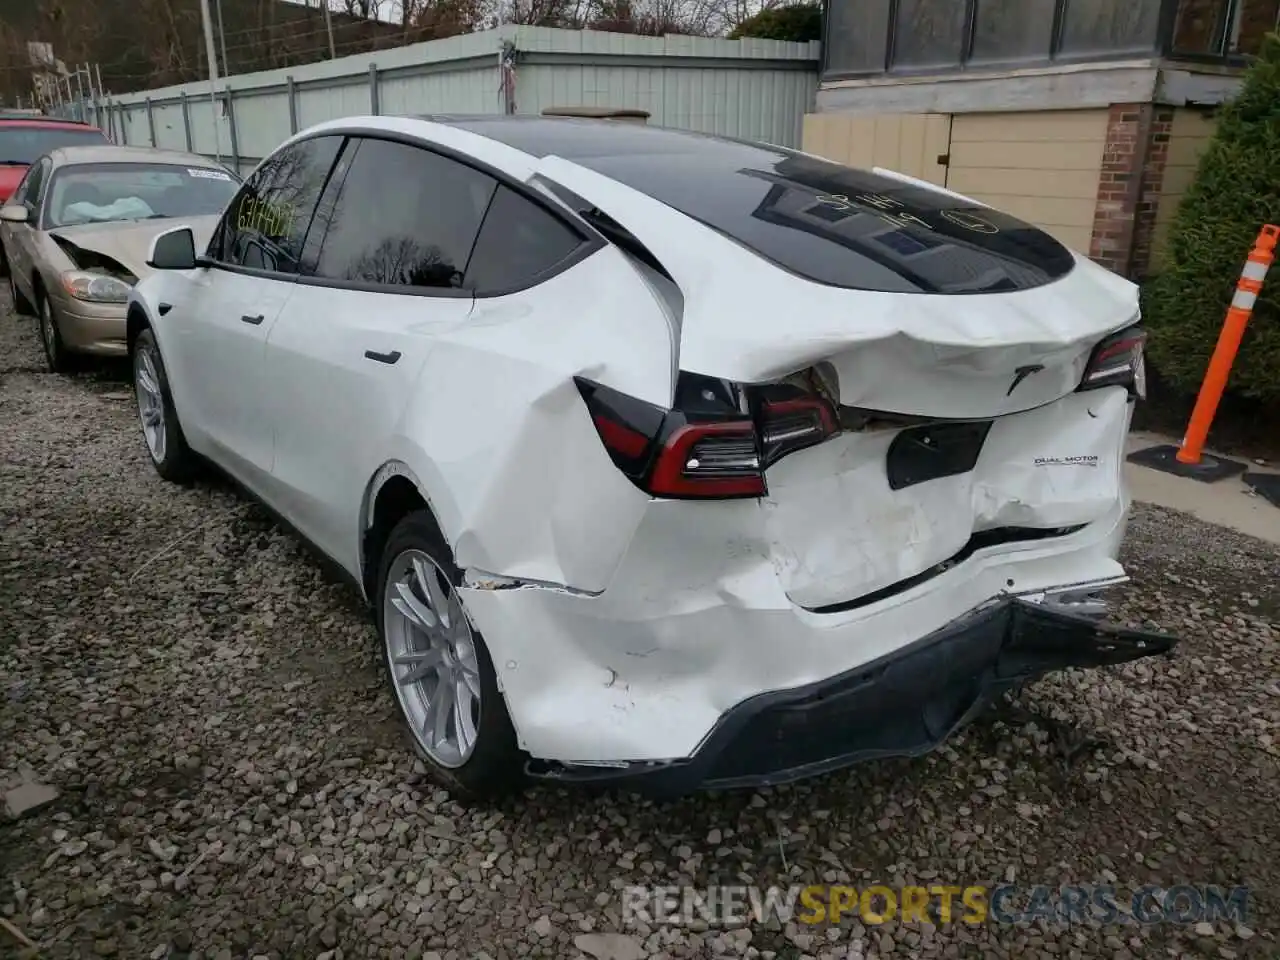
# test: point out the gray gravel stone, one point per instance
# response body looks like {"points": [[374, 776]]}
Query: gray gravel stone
{"points": [[28, 797]]}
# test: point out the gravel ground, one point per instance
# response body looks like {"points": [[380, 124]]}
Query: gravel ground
{"points": [[233, 784]]}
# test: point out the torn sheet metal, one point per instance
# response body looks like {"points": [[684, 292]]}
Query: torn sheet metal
{"points": [[707, 606], [935, 355], [644, 671], [519, 466]]}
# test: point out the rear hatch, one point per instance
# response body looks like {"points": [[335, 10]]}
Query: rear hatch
{"points": [[912, 372], [923, 302]]}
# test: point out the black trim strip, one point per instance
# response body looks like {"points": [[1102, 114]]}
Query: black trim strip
{"points": [[1000, 536]]}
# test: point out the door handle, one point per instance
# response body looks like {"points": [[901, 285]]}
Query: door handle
{"points": [[254, 320], [391, 357]]}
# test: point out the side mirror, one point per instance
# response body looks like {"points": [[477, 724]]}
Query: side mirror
{"points": [[14, 213], [173, 250]]}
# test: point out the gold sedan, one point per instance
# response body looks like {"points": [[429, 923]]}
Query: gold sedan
{"points": [[77, 230]]}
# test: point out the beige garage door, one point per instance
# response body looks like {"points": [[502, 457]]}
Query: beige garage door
{"points": [[1041, 167], [908, 143]]}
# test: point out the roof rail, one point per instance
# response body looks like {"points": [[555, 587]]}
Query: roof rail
{"points": [[12, 114]]}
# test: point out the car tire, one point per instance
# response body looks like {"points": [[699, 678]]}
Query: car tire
{"points": [[57, 357], [21, 305], [493, 765], [161, 431]]}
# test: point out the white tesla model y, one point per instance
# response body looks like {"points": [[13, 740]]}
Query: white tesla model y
{"points": [[661, 457]]}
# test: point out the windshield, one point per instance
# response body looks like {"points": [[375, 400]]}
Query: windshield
{"points": [[99, 192], [23, 145]]}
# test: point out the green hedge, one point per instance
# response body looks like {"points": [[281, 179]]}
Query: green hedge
{"points": [[1236, 191], [798, 23]]}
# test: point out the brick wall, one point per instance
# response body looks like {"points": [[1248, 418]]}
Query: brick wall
{"points": [[1133, 163], [1152, 187], [1114, 210]]}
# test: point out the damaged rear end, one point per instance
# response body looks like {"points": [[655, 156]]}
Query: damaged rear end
{"points": [[888, 484], [914, 380]]}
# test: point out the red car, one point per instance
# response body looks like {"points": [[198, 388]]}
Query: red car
{"points": [[24, 139]]}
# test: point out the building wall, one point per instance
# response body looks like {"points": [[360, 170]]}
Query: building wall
{"points": [[1189, 136], [908, 143], [757, 89], [1043, 167]]}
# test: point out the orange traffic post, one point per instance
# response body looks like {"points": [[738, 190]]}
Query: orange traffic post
{"points": [[1224, 354]]}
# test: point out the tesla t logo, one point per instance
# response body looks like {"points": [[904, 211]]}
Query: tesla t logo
{"points": [[1021, 374]]}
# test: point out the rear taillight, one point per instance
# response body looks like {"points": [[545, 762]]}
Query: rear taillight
{"points": [[709, 460], [627, 426], [790, 425], [709, 451], [1119, 360], [715, 443]]}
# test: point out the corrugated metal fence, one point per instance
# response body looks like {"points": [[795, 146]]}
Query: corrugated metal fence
{"points": [[758, 89]]}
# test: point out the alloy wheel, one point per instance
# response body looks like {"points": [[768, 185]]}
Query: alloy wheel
{"points": [[431, 652], [146, 381]]}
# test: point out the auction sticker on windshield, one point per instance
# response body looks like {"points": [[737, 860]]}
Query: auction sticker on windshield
{"points": [[208, 174]]}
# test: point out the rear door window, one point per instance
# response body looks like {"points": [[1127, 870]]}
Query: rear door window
{"points": [[519, 244], [405, 218]]}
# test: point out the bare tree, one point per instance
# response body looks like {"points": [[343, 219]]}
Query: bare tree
{"points": [[160, 42]]}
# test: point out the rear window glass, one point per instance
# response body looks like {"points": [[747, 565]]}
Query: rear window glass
{"points": [[22, 145], [850, 228], [820, 220]]}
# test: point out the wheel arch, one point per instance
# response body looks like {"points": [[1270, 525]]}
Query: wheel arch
{"points": [[136, 320], [394, 491]]}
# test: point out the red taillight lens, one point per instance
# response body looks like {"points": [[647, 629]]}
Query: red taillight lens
{"points": [[1119, 360], [621, 438], [790, 425], [720, 459], [713, 453], [717, 441]]}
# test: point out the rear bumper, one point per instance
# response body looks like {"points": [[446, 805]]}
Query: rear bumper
{"points": [[902, 705], [647, 673]]}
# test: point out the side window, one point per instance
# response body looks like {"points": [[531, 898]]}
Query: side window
{"points": [[40, 186], [31, 187], [405, 217], [519, 242], [266, 224], [19, 194]]}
